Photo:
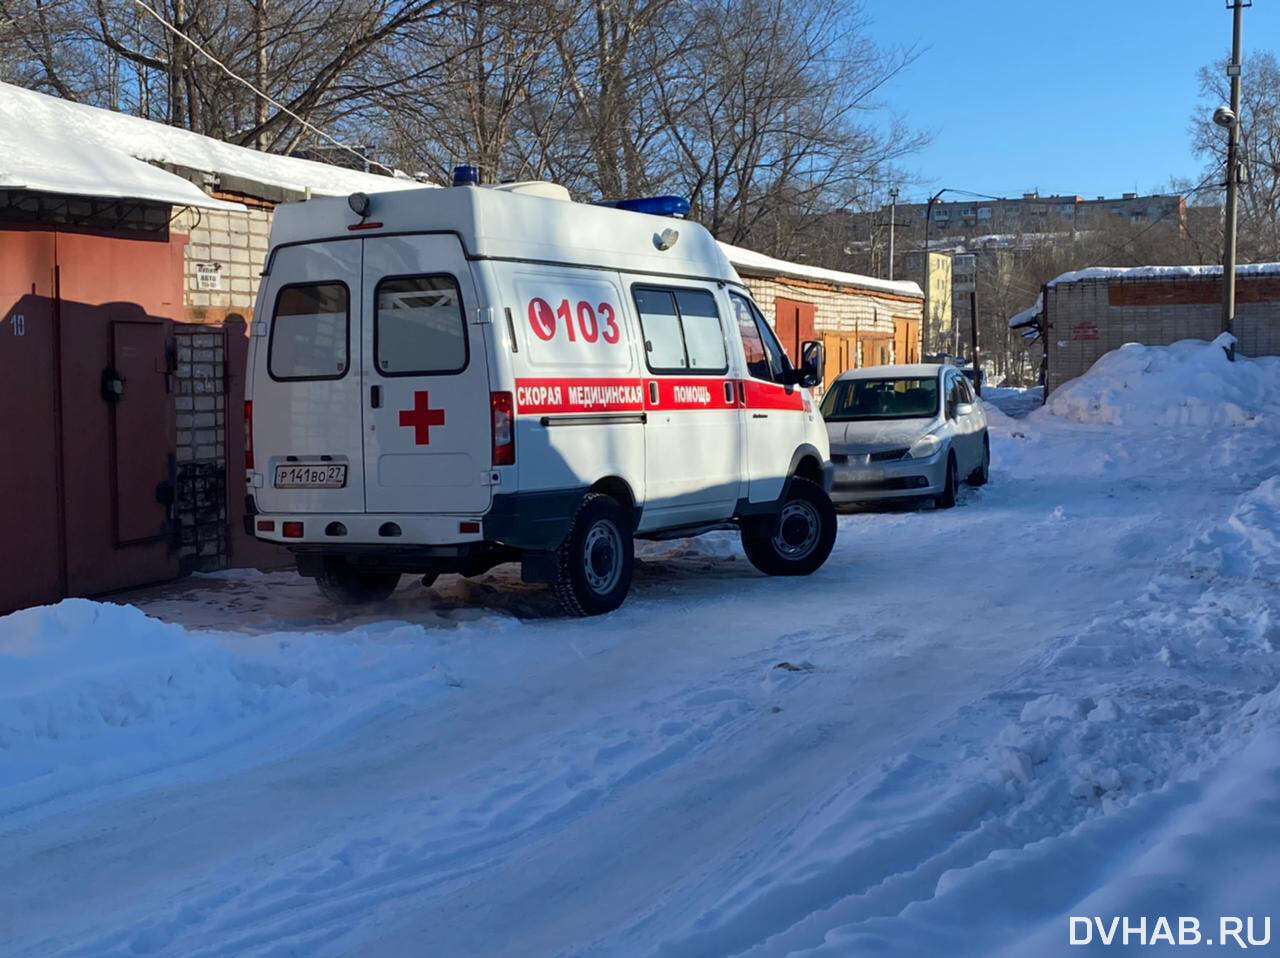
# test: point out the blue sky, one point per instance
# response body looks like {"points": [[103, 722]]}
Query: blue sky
{"points": [[1070, 96]]}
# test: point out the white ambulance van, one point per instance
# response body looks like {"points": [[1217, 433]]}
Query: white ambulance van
{"points": [[442, 380]]}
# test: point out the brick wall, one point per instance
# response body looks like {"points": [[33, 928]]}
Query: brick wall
{"points": [[838, 309], [231, 246], [1093, 317]]}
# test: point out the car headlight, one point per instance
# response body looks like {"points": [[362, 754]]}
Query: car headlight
{"points": [[924, 447]]}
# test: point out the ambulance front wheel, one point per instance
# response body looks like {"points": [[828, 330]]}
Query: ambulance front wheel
{"points": [[801, 538], [596, 559], [341, 583]]}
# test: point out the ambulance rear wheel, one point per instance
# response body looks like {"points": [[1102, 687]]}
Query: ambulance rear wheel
{"points": [[596, 559], [799, 542], [344, 585]]}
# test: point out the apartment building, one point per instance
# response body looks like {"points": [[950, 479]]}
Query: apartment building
{"points": [[1033, 213]]}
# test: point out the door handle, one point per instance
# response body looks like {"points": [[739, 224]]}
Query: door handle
{"points": [[728, 393], [375, 397]]}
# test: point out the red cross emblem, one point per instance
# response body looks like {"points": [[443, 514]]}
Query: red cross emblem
{"points": [[421, 418]]}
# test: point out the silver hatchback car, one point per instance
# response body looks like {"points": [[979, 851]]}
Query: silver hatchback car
{"points": [[905, 432]]}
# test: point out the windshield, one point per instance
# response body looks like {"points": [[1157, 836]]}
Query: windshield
{"points": [[850, 400]]}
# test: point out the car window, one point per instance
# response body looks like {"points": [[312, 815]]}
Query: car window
{"points": [[418, 326], [765, 358], [309, 332], [752, 344], [852, 400], [966, 388], [660, 325], [778, 363]]}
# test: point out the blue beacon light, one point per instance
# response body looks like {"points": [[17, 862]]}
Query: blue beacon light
{"points": [[654, 205], [466, 175]]}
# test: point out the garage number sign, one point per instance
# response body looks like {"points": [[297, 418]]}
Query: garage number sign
{"points": [[19, 324]]}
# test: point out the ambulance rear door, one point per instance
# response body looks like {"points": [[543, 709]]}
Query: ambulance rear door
{"points": [[427, 431], [308, 452]]}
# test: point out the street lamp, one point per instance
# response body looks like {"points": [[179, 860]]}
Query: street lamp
{"points": [[928, 217]]}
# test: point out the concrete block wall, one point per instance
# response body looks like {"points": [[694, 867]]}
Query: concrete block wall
{"points": [[1090, 318], [234, 242]]}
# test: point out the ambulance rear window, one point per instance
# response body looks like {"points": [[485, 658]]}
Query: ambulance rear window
{"points": [[418, 326], [309, 332]]}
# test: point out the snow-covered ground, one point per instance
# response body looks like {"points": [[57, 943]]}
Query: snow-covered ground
{"points": [[1058, 699]]}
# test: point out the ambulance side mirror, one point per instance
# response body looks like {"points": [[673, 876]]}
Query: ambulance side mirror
{"points": [[812, 360]]}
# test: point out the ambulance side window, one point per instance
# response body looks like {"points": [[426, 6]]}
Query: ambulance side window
{"points": [[765, 359], [309, 332], [703, 337], [418, 326], [660, 326], [681, 329]]}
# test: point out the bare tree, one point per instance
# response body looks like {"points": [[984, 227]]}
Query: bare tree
{"points": [[1259, 223]]}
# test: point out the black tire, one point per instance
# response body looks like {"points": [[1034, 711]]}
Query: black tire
{"points": [[947, 498], [344, 585], [597, 558], [797, 541], [982, 474]]}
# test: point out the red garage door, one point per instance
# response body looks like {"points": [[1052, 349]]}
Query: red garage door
{"points": [[793, 322], [84, 512]]}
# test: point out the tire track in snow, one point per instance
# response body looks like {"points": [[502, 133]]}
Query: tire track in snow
{"points": [[403, 851]]}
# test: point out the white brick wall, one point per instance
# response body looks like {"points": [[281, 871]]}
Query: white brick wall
{"points": [[845, 310], [237, 242]]}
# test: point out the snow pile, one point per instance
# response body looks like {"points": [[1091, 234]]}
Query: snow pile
{"points": [[91, 692], [1191, 383], [1247, 545]]}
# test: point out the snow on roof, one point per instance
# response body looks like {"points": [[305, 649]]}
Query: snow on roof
{"points": [[1160, 272], [1028, 316], [57, 146], [39, 158], [758, 262]]}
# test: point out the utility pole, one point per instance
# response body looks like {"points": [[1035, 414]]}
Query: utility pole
{"points": [[893, 221], [1233, 176], [977, 359]]}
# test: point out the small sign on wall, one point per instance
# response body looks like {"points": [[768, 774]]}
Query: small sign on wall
{"points": [[208, 275]]}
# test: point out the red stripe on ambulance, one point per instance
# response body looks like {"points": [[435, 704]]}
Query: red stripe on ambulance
{"points": [[760, 395], [535, 396], [692, 394]]}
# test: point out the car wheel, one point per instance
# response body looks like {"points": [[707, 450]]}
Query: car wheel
{"points": [[340, 583], [947, 498], [596, 559], [799, 540], [980, 475]]}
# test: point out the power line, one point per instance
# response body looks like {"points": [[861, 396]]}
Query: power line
{"points": [[241, 80]]}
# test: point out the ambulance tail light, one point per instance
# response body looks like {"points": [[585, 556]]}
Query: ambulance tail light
{"points": [[502, 413], [248, 435]]}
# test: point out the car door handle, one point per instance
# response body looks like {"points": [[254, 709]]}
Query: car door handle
{"points": [[375, 397]]}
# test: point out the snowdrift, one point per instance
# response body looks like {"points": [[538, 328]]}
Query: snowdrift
{"points": [[93, 692], [1191, 383]]}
